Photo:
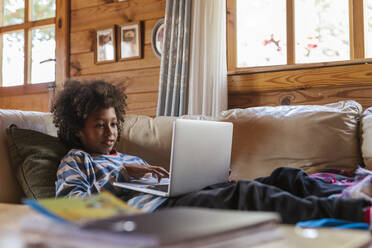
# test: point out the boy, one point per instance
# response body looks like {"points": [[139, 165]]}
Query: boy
{"points": [[89, 117]]}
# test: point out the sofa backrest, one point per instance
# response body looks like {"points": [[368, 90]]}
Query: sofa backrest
{"points": [[309, 137], [150, 138]]}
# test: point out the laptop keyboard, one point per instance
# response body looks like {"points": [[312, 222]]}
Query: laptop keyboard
{"points": [[160, 187]]}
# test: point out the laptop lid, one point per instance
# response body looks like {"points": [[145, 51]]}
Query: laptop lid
{"points": [[200, 156]]}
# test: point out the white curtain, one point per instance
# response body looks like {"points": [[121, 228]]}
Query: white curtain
{"points": [[208, 69]]}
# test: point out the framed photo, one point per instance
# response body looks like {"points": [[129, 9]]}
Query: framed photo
{"points": [[158, 33], [130, 41], [105, 44]]}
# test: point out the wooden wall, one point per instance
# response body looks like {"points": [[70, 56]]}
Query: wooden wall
{"points": [[30, 102], [140, 77], [304, 86]]}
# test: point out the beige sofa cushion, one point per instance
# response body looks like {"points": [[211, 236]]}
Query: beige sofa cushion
{"points": [[148, 138], [366, 137], [311, 137]]}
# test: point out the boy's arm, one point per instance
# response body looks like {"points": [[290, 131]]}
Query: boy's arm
{"points": [[71, 181]]}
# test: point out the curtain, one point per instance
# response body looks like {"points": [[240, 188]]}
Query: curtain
{"points": [[193, 71], [208, 68], [174, 69]]}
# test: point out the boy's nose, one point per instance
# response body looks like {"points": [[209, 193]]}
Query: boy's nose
{"points": [[109, 130]]}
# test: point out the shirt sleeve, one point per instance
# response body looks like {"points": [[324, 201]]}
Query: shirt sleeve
{"points": [[72, 177]]}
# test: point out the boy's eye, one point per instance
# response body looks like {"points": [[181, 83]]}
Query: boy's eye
{"points": [[100, 125], [114, 124]]}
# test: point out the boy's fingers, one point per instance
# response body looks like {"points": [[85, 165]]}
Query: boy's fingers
{"points": [[162, 170]]}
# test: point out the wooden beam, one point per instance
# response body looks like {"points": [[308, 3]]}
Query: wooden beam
{"points": [[62, 41], [231, 34], [290, 33], [356, 29]]}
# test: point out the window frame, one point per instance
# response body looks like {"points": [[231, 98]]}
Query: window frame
{"points": [[61, 24], [356, 20]]}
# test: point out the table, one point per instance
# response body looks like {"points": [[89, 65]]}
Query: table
{"points": [[11, 214]]}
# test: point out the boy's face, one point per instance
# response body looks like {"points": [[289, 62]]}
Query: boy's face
{"points": [[100, 131]]}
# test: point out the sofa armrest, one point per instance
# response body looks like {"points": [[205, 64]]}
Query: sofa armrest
{"points": [[10, 190]]}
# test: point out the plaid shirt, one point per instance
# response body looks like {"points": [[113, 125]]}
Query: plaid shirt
{"points": [[82, 174]]}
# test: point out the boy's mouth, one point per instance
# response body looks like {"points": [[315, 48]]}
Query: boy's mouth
{"points": [[109, 142]]}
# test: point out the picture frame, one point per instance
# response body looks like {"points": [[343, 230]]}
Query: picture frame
{"points": [[158, 33], [130, 41], [105, 45]]}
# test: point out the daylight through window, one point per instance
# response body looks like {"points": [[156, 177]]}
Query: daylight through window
{"points": [[27, 42], [282, 32]]}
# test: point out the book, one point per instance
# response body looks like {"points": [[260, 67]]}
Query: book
{"points": [[105, 221], [82, 209], [195, 227]]}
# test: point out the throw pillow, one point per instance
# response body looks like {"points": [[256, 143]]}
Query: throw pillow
{"points": [[311, 137], [35, 157], [366, 137]]}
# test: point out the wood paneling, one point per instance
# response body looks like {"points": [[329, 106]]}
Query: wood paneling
{"points": [[306, 86], [139, 77], [116, 13], [81, 41], [309, 86], [81, 4], [305, 78], [83, 64], [143, 103], [136, 81], [316, 95], [31, 102]]}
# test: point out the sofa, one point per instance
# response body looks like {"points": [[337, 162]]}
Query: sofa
{"points": [[311, 137]]}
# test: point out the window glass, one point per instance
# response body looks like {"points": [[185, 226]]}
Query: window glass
{"points": [[43, 50], [42, 9], [368, 28], [261, 32], [13, 12], [321, 30], [12, 59]]}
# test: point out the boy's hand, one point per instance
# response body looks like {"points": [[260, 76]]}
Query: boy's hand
{"points": [[139, 171]]}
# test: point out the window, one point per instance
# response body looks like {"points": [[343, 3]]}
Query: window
{"points": [[27, 42], [276, 33]]}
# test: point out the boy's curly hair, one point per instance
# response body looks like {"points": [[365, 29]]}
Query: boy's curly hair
{"points": [[78, 100]]}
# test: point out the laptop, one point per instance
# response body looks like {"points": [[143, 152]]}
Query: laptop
{"points": [[200, 156]]}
